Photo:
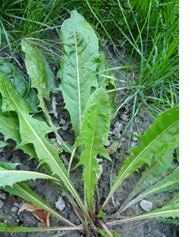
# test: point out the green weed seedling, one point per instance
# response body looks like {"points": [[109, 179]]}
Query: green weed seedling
{"points": [[91, 110]]}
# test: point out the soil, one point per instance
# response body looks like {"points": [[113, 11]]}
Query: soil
{"points": [[50, 193]]}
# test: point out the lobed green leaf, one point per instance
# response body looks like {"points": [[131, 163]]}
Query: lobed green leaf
{"points": [[39, 70], [162, 135], [157, 167], [34, 131], [169, 183], [22, 86], [9, 127], [164, 212], [95, 125], [8, 166], [78, 69], [10, 177]]}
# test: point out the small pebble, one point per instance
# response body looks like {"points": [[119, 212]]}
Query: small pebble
{"points": [[16, 204], [62, 121], [65, 127], [146, 205], [2, 195], [14, 209], [60, 204]]}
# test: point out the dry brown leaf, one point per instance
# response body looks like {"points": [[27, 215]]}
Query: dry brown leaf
{"points": [[38, 212]]}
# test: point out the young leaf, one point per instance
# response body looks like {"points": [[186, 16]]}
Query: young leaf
{"points": [[170, 182], [161, 136], [22, 86], [95, 125], [39, 71], [78, 69], [107, 82], [101, 214]]}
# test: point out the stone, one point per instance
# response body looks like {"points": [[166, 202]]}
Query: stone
{"points": [[62, 121], [2, 195], [117, 130], [124, 117], [146, 205], [65, 127], [60, 204], [14, 209]]}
